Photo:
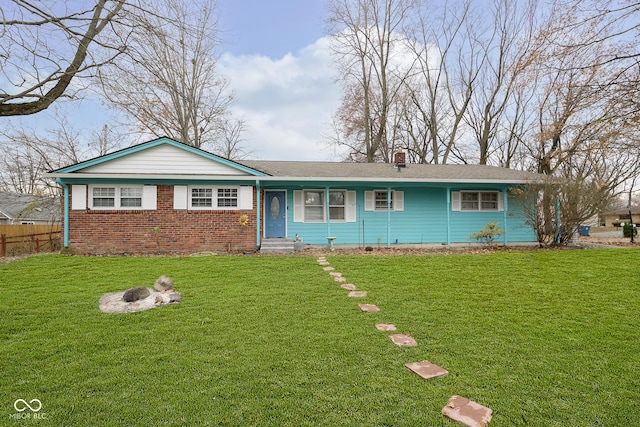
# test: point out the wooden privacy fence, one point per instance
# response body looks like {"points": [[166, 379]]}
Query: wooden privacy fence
{"points": [[30, 242]]}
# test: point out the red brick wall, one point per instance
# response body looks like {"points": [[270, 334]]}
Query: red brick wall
{"points": [[164, 230]]}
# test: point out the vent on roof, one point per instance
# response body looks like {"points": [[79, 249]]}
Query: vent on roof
{"points": [[400, 159]]}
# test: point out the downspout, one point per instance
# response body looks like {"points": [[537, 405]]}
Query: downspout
{"points": [[258, 220], [448, 216], [328, 210], [632, 229], [504, 214], [558, 222], [65, 214], [388, 216]]}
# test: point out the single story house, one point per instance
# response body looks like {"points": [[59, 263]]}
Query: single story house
{"points": [[17, 208], [620, 216], [165, 196]]}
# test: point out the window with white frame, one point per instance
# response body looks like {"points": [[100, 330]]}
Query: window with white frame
{"points": [[337, 205], [314, 206], [311, 206], [116, 197], [214, 198], [202, 197], [477, 201], [227, 197], [376, 200], [103, 197], [131, 197], [381, 200]]}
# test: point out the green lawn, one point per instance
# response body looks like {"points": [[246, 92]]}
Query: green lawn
{"points": [[548, 338]]}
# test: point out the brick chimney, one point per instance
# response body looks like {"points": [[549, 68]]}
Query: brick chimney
{"points": [[400, 159]]}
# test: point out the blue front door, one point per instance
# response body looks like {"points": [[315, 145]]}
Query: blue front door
{"points": [[275, 214]]}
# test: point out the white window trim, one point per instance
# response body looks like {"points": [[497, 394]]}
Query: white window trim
{"points": [[349, 206], [228, 197], [148, 198], [397, 201], [344, 206], [214, 198], [323, 205], [456, 201]]}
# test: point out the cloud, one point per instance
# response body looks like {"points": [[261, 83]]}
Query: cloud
{"points": [[287, 103]]}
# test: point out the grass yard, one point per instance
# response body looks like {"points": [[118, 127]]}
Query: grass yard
{"points": [[543, 338]]}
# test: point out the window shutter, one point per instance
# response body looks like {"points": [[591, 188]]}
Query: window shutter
{"points": [[298, 206], [398, 200], [456, 204], [149, 197], [501, 206], [369, 201], [180, 197], [350, 206], [78, 197], [246, 197]]}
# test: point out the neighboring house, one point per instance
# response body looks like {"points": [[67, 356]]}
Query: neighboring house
{"points": [[165, 196], [616, 218], [16, 208]]}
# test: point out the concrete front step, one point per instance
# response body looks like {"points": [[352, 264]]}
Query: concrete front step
{"points": [[277, 245]]}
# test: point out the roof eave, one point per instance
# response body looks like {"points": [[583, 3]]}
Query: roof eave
{"points": [[194, 177]]}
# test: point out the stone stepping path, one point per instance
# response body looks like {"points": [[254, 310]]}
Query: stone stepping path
{"points": [[458, 408], [426, 369], [357, 294], [403, 340], [467, 412], [368, 307]]}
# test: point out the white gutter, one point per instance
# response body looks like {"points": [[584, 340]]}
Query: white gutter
{"points": [[251, 178]]}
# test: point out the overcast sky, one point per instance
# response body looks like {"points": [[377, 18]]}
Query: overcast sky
{"points": [[280, 71]]}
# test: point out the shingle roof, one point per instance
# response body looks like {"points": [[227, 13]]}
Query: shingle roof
{"points": [[635, 210], [28, 207], [386, 171]]}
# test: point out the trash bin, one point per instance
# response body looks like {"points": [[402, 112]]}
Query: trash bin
{"points": [[583, 230]]}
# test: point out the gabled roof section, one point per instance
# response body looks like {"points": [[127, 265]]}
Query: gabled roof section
{"points": [[160, 156]]}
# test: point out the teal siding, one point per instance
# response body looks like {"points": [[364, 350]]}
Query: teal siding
{"points": [[423, 220], [465, 223]]}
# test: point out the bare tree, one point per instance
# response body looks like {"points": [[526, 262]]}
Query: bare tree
{"points": [[584, 136], [44, 45], [457, 80], [232, 144], [368, 38], [104, 141], [495, 108], [29, 153], [21, 169], [167, 81], [611, 23], [439, 91]]}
